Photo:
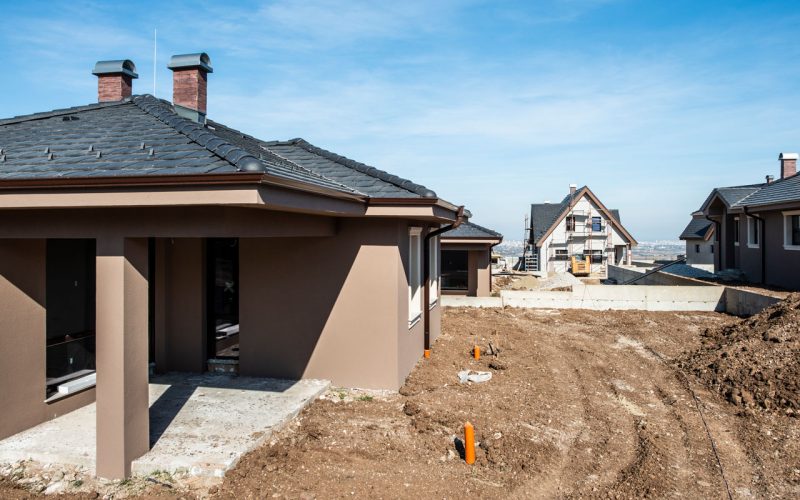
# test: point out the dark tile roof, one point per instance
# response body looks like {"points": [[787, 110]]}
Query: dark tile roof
{"points": [[471, 230], [734, 194], [780, 191], [696, 229], [143, 136], [615, 214], [544, 215], [364, 178]]}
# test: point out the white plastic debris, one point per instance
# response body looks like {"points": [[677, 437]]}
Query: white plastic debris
{"points": [[465, 376]]}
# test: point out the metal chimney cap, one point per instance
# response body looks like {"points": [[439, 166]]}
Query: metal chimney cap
{"points": [[186, 61], [122, 66], [788, 156]]}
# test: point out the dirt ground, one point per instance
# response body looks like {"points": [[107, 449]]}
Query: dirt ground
{"points": [[581, 404]]}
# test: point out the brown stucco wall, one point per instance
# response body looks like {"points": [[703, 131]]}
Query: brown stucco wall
{"points": [[22, 339], [783, 266], [180, 305], [325, 307], [480, 280]]}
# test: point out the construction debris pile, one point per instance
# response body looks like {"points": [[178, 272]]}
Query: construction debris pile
{"points": [[754, 363]]}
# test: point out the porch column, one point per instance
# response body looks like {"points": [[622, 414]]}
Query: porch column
{"points": [[123, 425], [628, 256]]}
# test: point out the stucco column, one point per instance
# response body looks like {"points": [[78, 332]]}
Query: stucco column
{"points": [[121, 354], [628, 256]]}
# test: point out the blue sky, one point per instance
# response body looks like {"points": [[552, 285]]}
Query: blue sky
{"points": [[494, 105]]}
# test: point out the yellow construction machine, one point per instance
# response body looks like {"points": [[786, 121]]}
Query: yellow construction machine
{"points": [[581, 265]]}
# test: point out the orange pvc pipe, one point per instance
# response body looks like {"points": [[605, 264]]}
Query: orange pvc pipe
{"points": [[427, 353], [469, 443], [476, 352]]}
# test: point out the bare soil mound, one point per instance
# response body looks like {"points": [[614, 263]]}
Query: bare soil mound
{"points": [[754, 363]]}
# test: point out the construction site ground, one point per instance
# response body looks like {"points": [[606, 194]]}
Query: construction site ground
{"points": [[580, 404]]}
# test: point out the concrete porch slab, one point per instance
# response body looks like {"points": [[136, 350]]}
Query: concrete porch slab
{"points": [[202, 423]]}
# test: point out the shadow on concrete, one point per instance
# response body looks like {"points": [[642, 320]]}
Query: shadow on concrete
{"points": [[181, 387]]}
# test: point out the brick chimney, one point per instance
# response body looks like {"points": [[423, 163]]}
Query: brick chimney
{"points": [[190, 84], [788, 164], [114, 79], [572, 189]]}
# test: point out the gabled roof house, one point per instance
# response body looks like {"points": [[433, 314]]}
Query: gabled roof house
{"points": [[138, 234], [757, 227], [467, 260], [699, 238], [578, 226]]}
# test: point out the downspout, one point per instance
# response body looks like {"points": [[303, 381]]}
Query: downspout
{"points": [[426, 274], [763, 245], [717, 238]]}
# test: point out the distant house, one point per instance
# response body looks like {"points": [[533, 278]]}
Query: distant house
{"points": [[466, 260], [579, 226], [757, 227], [137, 234], [699, 238]]}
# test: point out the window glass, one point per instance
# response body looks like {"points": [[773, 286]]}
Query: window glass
{"points": [[414, 274], [794, 227], [597, 224], [433, 248], [752, 231], [454, 270]]}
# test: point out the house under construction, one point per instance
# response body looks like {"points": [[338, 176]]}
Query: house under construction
{"points": [[578, 235]]}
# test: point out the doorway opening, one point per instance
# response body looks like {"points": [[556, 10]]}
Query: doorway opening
{"points": [[223, 304], [455, 274], [70, 316]]}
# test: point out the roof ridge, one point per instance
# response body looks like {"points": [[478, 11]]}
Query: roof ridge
{"points": [[365, 169], [63, 111], [303, 169], [294, 165], [234, 155]]}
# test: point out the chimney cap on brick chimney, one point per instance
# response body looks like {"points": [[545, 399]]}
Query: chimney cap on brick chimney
{"points": [[122, 66], [186, 61], [788, 156]]}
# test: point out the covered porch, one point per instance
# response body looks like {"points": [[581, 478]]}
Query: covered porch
{"points": [[143, 298]]}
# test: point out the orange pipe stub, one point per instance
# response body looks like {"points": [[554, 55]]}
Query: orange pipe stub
{"points": [[469, 443], [476, 352], [427, 353]]}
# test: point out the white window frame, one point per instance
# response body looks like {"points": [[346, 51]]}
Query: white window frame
{"points": [[737, 232], [787, 229], [414, 275], [753, 228], [434, 271]]}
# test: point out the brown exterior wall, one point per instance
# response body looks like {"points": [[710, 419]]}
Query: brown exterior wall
{"points": [[783, 266], [325, 307], [180, 305], [22, 340]]}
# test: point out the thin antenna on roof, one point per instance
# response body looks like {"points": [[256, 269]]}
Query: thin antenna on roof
{"points": [[155, 54]]}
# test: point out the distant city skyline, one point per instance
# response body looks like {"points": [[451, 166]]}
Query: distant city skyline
{"points": [[492, 105]]}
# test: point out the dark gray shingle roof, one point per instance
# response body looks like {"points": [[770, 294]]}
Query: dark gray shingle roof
{"points": [[471, 230], [544, 215], [142, 135], [615, 214], [696, 229], [364, 178], [780, 191]]}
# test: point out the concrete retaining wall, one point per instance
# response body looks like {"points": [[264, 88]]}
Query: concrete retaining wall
{"points": [[603, 297], [622, 297], [623, 274], [745, 303]]}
